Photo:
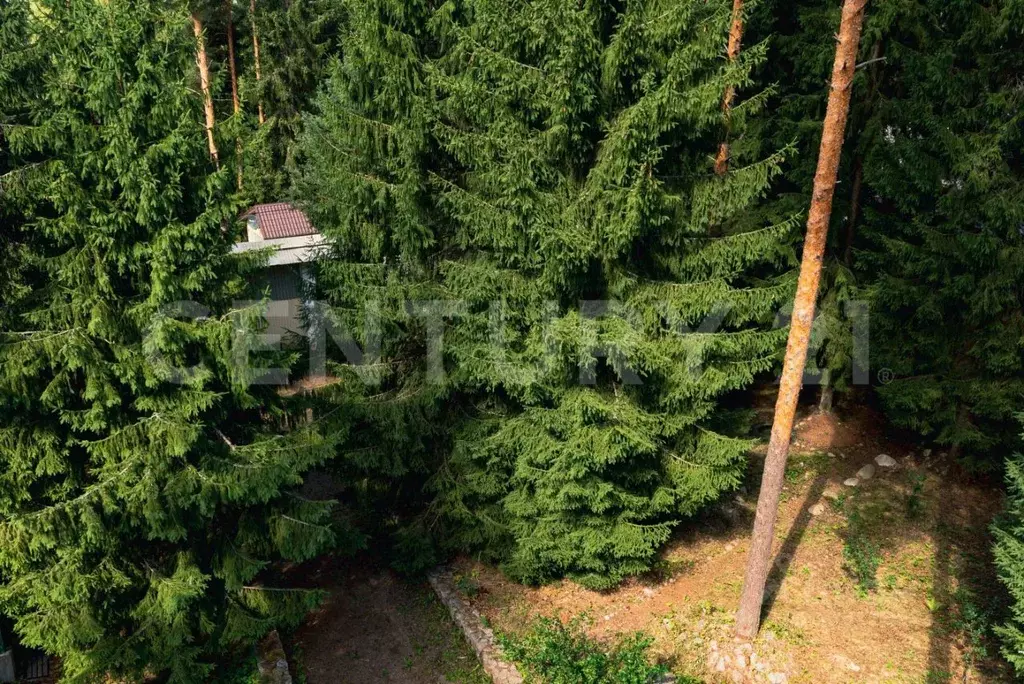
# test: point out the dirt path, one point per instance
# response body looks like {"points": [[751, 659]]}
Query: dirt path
{"points": [[377, 628], [917, 532]]}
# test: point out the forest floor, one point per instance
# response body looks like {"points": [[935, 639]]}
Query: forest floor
{"points": [[915, 533], [376, 628]]}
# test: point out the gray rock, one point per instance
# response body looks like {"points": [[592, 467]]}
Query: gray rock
{"points": [[777, 678], [851, 482], [867, 472], [885, 461], [817, 509]]}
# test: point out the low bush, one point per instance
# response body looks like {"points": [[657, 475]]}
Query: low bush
{"points": [[555, 652]]}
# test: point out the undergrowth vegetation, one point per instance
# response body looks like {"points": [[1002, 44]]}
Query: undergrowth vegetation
{"points": [[556, 652]]}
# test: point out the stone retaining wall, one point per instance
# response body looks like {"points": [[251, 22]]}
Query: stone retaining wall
{"points": [[273, 664], [479, 636]]}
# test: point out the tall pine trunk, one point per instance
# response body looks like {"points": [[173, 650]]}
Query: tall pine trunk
{"points": [[204, 82], [235, 104], [256, 61], [759, 559], [735, 36]]}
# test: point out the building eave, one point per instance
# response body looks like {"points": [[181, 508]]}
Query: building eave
{"points": [[290, 250]]}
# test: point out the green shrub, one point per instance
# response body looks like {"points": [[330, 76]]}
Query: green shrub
{"points": [[554, 652]]}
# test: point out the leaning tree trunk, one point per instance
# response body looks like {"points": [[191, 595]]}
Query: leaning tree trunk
{"points": [[204, 82], [735, 36], [235, 103], [256, 61], [759, 559]]}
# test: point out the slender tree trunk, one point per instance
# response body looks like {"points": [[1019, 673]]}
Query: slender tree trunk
{"points": [[759, 559], [735, 36], [256, 59], [827, 392], [858, 162], [204, 82], [235, 103], [851, 223], [231, 57]]}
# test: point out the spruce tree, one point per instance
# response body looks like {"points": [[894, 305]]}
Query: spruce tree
{"points": [[943, 242], [18, 71], [296, 41], [541, 177], [1009, 558], [146, 488]]}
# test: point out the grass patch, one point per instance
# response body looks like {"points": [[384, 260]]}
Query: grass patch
{"points": [[861, 555], [800, 466], [788, 632]]}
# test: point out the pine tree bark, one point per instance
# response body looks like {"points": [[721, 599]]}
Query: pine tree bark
{"points": [[748, 617], [235, 103], [733, 51], [256, 60], [204, 82]]}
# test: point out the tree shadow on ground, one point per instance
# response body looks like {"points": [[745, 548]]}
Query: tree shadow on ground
{"points": [[966, 595], [784, 558]]}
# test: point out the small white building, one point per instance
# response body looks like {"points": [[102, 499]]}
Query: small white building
{"points": [[296, 243]]}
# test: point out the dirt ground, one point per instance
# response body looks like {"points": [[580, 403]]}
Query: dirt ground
{"points": [[378, 628], [918, 531]]}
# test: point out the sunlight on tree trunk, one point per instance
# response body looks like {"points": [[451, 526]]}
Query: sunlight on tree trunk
{"points": [[256, 60], [735, 36], [204, 82], [236, 105], [759, 559]]}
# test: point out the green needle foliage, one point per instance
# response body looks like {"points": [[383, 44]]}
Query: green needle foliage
{"points": [[1009, 559], [144, 483], [16, 70], [538, 177], [296, 42], [946, 217]]}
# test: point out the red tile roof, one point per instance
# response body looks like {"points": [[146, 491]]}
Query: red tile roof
{"points": [[280, 220]]}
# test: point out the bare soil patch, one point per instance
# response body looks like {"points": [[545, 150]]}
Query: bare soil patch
{"points": [[376, 627]]}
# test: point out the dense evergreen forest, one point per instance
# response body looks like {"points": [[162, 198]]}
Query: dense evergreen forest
{"points": [[564, 240]]}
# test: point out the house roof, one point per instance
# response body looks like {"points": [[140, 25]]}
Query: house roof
{"points": [[280, 220]]}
